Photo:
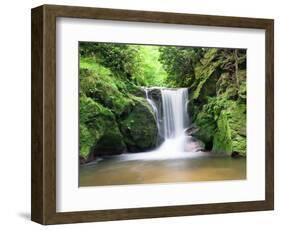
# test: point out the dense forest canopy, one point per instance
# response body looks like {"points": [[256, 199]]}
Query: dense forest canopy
{"points": [[138, 64], [115, 117]]}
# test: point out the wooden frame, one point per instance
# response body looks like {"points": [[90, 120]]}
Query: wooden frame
{"points": [[43, 207]]}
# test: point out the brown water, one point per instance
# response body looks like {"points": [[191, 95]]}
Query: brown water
{"points": [[143, 169]]}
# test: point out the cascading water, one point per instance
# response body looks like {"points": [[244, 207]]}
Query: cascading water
{"points": [[172, 120], [175, 119], [174, 104]]}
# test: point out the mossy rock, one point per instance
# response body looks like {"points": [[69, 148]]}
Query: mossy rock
{"points": [[135, 90], [99, 131], [155, 94], [226, 86], [110, 143], [222, 138], [206, 75], [231, 130], [139, 128], [206, 129], [109, 104], [237, 124], [221, 125], [105, 90]]}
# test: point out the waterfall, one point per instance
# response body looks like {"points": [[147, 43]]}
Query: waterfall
{"points": [[170, 109], [174, 103]]}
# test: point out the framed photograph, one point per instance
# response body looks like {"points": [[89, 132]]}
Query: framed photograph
{"points": [[140, 114]]}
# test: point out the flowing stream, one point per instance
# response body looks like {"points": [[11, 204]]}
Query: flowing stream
{"points": [[178, 159]]}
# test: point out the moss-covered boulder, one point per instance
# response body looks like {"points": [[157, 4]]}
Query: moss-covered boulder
{"points": [[230, 136], [222, 142], [135, 90], [139, 128], [105, 90], [206, 128], [115, 115], [237, 123], [99, 132], [110, 143], [221, 125]]}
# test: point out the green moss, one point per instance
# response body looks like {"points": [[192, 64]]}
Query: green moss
{"points": [[206, 76], [196, 92], [86, 140], [139, 128], [237, 124], [231, 129], [90, 64], [105, 90], [207, 127], [97, 124], [107, 103], [222, 125], [222, 137], [239, 144], [243, 91], [209, 56], [242, 75], [110, 143]]}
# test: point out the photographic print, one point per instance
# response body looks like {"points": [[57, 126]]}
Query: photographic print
{"points": [[149, 105], [161, 114]]}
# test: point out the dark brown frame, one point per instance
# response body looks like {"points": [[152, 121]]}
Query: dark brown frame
{"points": [[43, 188]]}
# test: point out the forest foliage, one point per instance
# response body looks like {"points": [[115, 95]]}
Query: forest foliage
{"points": [[115, 117]]}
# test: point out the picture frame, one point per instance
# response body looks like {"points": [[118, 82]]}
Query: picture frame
{"points": [[43, 96]]}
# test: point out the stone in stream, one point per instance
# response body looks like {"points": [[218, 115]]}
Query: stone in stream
{"points": [[193, 145]]}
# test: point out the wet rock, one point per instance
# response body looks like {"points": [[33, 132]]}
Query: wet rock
{"points": [[235, 155], [191, 130], [139, 128], [99, 132], [193, 145]]}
